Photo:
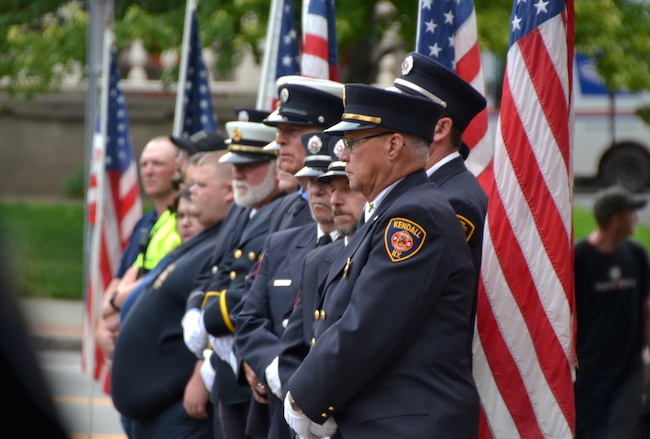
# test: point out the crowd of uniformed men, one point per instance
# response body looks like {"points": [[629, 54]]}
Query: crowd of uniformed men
{"points": [[315, 275]]}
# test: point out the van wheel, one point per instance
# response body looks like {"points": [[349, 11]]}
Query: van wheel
{"points": [[628, 166]]}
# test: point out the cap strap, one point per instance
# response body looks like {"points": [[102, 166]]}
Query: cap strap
{"points": [[420, 90], [363, 118], [253, 149]]}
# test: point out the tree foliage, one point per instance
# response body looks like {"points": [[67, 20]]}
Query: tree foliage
{"points": [[45, 39]]}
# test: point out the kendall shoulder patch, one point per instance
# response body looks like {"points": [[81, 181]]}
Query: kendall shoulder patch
{"points": [[468, 227], [403, 238]]}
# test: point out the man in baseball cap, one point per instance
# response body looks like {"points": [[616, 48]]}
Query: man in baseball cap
{"points": [[612, 284]]}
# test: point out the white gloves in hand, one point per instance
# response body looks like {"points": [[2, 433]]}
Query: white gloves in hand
{"points": [[328, 428], [298, 422], [194, 333], [207, 372], [222, 346], [273, 378]]}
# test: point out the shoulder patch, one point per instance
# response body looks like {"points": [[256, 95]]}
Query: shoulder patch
{"points": [[403, 238], [468, 227]]}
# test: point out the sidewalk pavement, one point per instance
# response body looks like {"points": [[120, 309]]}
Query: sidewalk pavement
{"points": [[53, 323]]}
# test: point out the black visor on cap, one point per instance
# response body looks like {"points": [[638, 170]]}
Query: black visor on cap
{"points": [[245, 157], [372, 107], [303, 105], [201, 141]]}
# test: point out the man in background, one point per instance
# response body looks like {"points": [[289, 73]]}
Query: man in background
{"points": [[156, 381], [160, 163], [612, 282]]}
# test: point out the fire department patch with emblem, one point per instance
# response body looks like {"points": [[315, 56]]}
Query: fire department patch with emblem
{"points": [[315, 144], [468, 227], [407, 65], [338, 148], [403, 238]]}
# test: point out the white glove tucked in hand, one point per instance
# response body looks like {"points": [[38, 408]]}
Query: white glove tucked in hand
{"points": [[328, 428], [222, 346], [207, 371], [273, 378], [194, 333], [298, 422]]}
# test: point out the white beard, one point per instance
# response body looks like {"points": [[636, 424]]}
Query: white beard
{"points": [[248, 196]]}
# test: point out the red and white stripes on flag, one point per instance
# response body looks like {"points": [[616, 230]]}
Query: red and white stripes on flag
{"points": [[447, 32], [114, 206], [320, 46], [524, 353]]}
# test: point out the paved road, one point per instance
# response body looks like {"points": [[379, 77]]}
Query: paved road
{"points": [[70, 389]]}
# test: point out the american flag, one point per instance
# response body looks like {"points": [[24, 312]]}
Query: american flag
{"points": [[198, 108], [320, 58], [113, 206], [282, 58], [447, 33], [524, 353]]}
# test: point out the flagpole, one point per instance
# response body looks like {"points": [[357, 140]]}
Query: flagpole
{"points": [[417, 28], [99, 216], [190, 7], [267, 79]]}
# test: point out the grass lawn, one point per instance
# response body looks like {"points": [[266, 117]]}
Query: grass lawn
{"points": [[45, 242], [45, 245]]}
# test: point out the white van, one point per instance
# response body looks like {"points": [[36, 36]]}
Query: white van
{"points": [[612, 143]]}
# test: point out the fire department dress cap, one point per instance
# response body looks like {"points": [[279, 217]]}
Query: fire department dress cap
{"points": [[201, 141], [369, 107], [336, 167], [244, 114], [307, 101], [247, 141], [423, 76], [317, 156]]}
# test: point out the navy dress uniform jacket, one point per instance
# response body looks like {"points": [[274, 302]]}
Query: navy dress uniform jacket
{"points": [[389, 358], [229, 232], [151, 364], [266, 309], [271, 298], [469, 201], [296, 339], [293, 211], [224, 293]]}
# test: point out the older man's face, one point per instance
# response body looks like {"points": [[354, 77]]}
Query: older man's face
{"points": [[292, 153], [319, 201], [364, 156], [253, 183], [347, 206]]}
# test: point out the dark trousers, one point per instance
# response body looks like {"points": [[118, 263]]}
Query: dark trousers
{"points": [[608, 408], [233, 420], [174, 423]]}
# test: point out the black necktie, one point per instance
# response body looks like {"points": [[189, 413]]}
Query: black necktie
{"points": [[298, 206], [323, 240]]}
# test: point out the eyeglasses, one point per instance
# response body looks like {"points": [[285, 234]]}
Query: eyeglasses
{"points": [[348, 143]]}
